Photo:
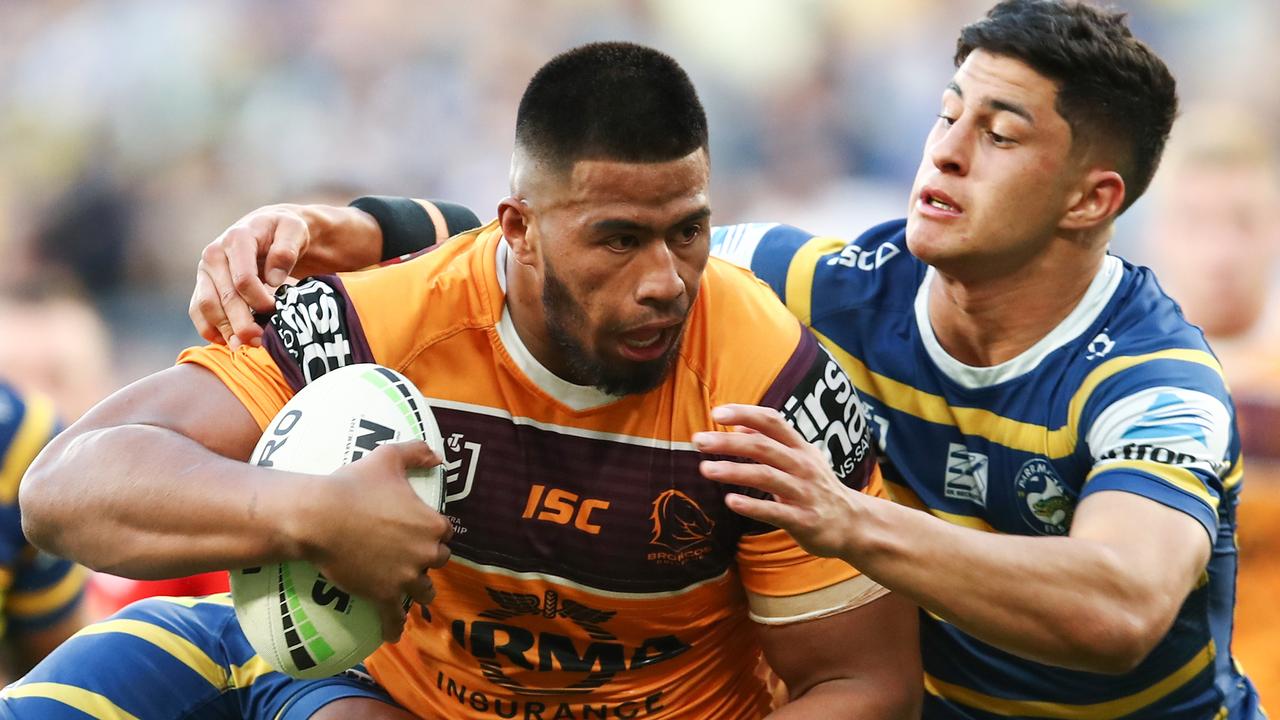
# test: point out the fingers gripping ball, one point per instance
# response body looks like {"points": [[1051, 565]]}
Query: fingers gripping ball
{"points": [[293, 616]]}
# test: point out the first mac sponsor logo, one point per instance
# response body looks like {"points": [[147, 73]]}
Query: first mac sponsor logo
{"points": [[309, 322], [825, 409]]}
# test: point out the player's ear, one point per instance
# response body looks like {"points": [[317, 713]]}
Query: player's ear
{"points": [[514, 217], [1097, 200]]}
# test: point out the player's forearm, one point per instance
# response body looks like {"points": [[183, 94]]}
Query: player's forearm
{"points": [[1063, 601], [853, 698], [341, 239], [146, 502]]}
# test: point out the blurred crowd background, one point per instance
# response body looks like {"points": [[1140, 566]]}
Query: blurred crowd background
{"points": [[133, 131]]}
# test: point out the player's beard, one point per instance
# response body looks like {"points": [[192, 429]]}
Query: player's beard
{"points": [[621, 377]]}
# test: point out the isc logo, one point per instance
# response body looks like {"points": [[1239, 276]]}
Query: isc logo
{"points": [[563, 507], [853, 256]]}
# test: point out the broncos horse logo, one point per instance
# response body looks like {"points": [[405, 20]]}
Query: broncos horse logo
{"points": [[678, 522]]}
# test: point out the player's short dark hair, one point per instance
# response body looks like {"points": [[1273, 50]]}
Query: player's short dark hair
{"points": [[1112, 88], [610, 100]]}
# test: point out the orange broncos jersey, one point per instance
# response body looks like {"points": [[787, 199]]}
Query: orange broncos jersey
{"points": [[595, 573]]}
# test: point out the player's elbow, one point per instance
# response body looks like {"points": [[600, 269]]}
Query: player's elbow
{"points": [[47, 501], [1118, 643], [40, 517]]}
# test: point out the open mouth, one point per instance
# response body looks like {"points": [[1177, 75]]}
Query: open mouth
{"points": [[940, 201], [648, 343], [940, 204], [640, 342]]}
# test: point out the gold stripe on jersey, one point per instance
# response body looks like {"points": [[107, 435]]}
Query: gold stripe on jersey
{"points": [[1117, 364], [978, 422], [1234, 475], [37, 426], [86, 701], [1013, 434], [903, 495], [1180, 478], [1204, 580], [1107, 710], [38, 602], [179, 647], [242, 676], [804, 264]]}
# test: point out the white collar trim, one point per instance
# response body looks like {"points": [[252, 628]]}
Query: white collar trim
{"points": [[577, 397], [1100, 291]]}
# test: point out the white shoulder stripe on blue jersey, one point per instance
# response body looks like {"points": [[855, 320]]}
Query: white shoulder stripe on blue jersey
{"points": [[1168, 425], [1090, 306], [737, 243]]}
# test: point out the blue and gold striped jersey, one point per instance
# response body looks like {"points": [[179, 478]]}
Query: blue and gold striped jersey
{"points": [[36, 590], [1123, 395], [170, 658]]}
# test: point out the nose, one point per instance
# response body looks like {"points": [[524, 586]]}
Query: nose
{"points": [[660, 280], [950, 153]]}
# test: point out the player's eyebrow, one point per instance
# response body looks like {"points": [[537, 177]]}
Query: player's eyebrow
{"points": [[997, 104], [701, 213], [620, 225], [1016, 109]]}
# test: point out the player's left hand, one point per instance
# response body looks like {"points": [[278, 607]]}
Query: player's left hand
{"points": [[809, 501]]}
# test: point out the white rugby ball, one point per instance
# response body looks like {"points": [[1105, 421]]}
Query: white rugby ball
{"points": [[296, 619]]}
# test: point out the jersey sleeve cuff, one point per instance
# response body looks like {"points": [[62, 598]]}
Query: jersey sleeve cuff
{"points": [[1151, 487]]}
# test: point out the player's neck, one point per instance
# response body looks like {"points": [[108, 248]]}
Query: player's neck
{"points": [[988, 321]]}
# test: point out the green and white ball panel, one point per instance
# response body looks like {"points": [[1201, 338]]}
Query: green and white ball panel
{"points": [[298, 621]]}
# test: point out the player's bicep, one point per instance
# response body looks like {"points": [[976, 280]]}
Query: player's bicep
{"points": [[1166, 547], [187, 399], [875, 645]]}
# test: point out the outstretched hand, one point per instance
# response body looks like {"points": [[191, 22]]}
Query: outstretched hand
{"points": [[240, 270], [808, 500]]}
